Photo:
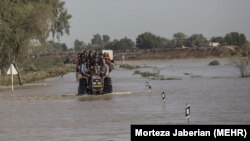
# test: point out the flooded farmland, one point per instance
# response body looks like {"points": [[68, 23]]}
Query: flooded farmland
{"points": [[48, 109]]}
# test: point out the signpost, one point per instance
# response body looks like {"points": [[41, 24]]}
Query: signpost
{"points": [[148, 86], [163, 96], [187, 111], [12, 71], [123, 57]]}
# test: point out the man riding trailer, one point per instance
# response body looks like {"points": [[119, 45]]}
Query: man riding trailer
{"points": [[93, 74]]}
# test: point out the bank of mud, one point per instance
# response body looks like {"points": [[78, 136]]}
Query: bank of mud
{"points": [[183, 53]]}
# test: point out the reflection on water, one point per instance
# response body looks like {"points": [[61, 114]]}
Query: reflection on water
{"points": [[52, 112]]}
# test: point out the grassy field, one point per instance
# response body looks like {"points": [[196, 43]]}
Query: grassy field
{"points": [[38, 69]]}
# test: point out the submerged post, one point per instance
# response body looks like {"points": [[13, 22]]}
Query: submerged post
{"points": [[163, 95], [187, 112]]}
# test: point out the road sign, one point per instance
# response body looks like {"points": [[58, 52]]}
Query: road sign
{"points": [[12, 70]]}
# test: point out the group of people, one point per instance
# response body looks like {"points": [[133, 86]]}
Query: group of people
{"points": [[91, 63]]}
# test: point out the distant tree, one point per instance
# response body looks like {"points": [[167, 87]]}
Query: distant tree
{"points": [[243, 39], [97, 40], [218, 39], [122, 44], [112, 45], [125, 44], [197, 40], [171, 44], [63, 47], [162, 42], [78, 45], [148, 40], [235, 38], [179, 39], [105, 39]]}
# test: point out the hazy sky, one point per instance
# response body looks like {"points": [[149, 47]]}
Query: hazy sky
{"points": [[120, 18]]}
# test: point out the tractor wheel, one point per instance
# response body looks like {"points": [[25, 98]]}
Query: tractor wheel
{"points": [[82, 86], [107, 85]]}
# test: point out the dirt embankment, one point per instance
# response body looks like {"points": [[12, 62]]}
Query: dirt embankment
{"points": [[180, 53]]}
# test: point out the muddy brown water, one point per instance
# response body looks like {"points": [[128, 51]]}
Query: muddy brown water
{"points": [[48, 110]]}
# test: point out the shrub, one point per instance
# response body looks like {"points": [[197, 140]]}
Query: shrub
{"points": [[214, 63], [137, 72], [130, 67], [242, 64], [173, 78], [147, 74]]}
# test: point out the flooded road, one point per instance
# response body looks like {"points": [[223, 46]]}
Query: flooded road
{"points": [[48, 110]]}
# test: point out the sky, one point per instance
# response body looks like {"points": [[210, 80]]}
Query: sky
{"points": [[129, 18]]}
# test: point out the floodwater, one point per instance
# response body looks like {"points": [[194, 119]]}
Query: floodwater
{"points": [[48, 110]]}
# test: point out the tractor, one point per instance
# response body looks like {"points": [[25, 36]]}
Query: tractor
{"points": [[97, 82]]}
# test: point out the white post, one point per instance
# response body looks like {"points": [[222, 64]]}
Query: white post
{"points": [[163, 96], [187, 112], [12, 83], [123, 57]]}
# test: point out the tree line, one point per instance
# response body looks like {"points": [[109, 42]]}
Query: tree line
{"points": [[148, 40]]}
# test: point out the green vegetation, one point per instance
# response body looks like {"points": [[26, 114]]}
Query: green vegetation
{"points": [[147, 74], [242, 64], [39, 75], [235, 38], [148, 40], [122, 44], [136, 72], [127, 66], [197, 40], [179, 39], [40, 68], [155, 75], [173, 78], [99, 42], [24, 22]]}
